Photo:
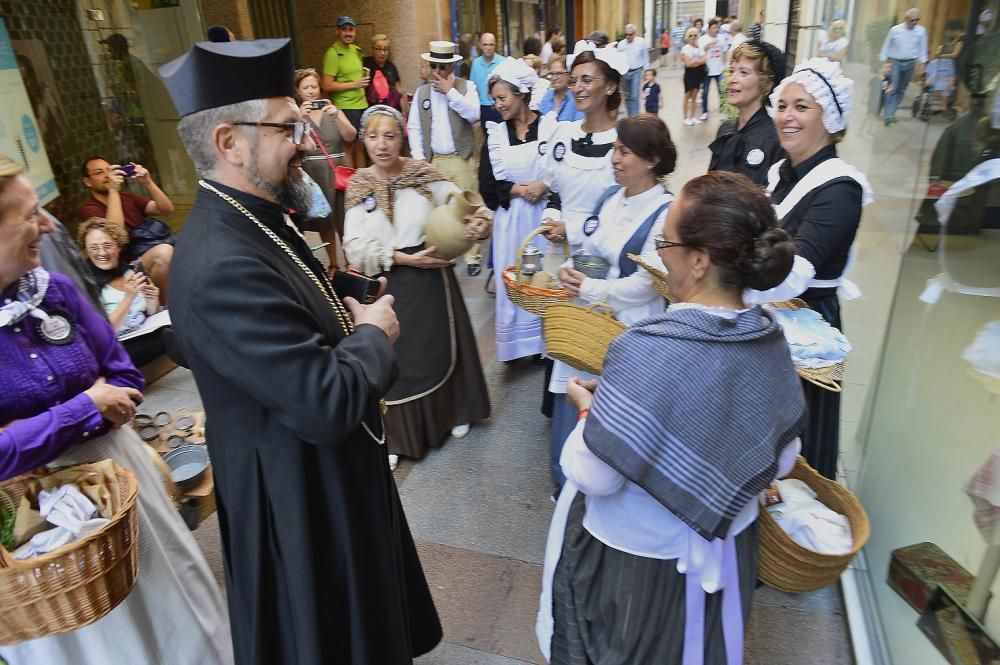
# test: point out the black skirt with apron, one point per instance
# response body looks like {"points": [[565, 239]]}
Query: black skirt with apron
{"points": [[821, 439], [615, 608], [441, 381]]}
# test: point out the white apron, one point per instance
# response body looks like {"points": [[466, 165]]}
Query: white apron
{"points": [[519, 333]]}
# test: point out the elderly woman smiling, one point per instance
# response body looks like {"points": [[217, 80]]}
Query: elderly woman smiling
{"points": [[69, 389]]}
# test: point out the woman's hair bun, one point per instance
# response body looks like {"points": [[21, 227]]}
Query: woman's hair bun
{"points": [[773, 255]]}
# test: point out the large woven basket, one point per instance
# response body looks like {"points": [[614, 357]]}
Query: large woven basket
{"points": [[828, 378], [786, 565], [579, 336], [659, 276], [76, 584], [530, 298]]}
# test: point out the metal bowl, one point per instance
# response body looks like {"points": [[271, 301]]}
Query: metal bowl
{"points": [[591, 265], [187, 465]]}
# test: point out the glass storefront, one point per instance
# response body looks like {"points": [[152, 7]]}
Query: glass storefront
{"points": [[921, 403]]}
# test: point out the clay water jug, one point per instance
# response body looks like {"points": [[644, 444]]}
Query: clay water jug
{"points": [[445, 228]]}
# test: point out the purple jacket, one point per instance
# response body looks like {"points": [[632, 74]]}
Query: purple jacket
{"points": [[42, 406]]}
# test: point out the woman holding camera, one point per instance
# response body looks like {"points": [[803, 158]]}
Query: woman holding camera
{"points": [[329, 129], [440, 388], [127, 294]]}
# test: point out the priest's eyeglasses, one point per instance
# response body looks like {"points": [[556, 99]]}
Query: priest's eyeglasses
{"points": [[662, 243], [296, 131]]}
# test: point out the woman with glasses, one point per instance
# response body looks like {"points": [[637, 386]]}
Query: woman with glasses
{"points": [[578, 171], [510, 181], [386, 86], [330, 130], [652, 550], [818, 198], [558, 97], [127, 294], [748, 143], [440, 388]]}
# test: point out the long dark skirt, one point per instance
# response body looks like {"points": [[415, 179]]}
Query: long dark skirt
{"points": [[615, 608], [441, 382], [821, 439]]}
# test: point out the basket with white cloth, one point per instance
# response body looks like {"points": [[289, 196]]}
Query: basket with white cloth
{"points": [[819, 351]]}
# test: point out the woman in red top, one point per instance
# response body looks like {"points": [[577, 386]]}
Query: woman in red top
{"points": [[664, 46]]}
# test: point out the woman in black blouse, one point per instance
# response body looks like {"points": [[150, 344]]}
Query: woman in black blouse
{"points": [[818, 198], [388, 89], [748, 143]]}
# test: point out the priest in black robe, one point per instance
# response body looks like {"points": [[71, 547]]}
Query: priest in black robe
{"points": [[320, 564]]}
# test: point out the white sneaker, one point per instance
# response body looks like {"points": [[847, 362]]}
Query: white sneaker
{"points": [[458, 431], [704, 116], [695, 121], [688, 121], [393, 461]]}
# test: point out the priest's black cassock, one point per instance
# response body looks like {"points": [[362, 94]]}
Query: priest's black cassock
{"points": [[320, 564]]}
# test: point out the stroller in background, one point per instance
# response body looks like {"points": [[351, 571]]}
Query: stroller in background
{"points": [[937, 94]]}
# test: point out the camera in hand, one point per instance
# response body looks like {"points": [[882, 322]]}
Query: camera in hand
{"points": [[352, 284], [128, 170], [317, 104]]}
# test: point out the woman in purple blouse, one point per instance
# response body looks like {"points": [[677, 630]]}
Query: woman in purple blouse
{"points": [[69, 388]]}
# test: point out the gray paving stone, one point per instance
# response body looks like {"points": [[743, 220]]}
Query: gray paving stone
{"points": [[453, 654]]}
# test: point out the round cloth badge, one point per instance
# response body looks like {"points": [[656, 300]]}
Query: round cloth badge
{"points": [[590, 225], [370, 203], [559, 152], [543, 147], [57, 328], [426, 104], [755, 157]]}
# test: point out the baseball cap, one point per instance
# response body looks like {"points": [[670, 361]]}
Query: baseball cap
{"points": [[345, 20]]}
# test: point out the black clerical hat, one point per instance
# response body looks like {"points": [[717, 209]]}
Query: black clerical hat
{"points": [[215, 74]]}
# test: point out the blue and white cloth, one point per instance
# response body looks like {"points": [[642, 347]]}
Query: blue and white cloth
{"points": [[812, 341]]}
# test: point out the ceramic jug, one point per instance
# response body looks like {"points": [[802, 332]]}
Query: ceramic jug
{"points": [[445, 227]]}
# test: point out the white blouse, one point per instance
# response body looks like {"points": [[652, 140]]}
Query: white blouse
{"points": [[370, 238]]}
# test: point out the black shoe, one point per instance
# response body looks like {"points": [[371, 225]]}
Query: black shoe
{"points": [[474, 269]]}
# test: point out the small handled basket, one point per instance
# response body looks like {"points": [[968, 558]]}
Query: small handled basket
{"points": [[829, 377], [579, 336], [787, 566], [76, 584], [534, 299], [659, 276]]}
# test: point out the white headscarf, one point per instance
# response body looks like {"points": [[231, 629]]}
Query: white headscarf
{"points": [[610, 55], [516, 72], [825, 81]]}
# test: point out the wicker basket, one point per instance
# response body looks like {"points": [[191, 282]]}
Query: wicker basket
{"points": [[76, 584], [530, 298], [828, 378], [786, 565], [579, 336], [659, 276]]}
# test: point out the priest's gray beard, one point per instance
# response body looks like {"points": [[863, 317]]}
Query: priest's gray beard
{"points": [[292, 192]]}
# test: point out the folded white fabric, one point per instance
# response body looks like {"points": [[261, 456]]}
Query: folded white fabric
{"points": [[70, 512], [812, 341], [984, 352], [808, 522]]}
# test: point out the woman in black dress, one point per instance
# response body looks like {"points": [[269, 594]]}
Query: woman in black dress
{"points": [[818, 199], [748, 143]]}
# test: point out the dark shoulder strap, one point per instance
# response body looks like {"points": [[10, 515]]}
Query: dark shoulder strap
{"points": [[627, 266]]}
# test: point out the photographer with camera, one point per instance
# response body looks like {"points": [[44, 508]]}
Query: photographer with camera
{"points": [[150, 239], [330, 129], [127, 294]]}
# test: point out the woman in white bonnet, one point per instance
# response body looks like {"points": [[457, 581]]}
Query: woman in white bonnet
{"points": [[818, 198]]}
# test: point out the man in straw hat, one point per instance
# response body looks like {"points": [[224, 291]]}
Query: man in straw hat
{"points": [[440, 126], [320, 563]]}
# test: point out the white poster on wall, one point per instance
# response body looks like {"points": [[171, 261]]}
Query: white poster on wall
{"points": [[20, 137]]}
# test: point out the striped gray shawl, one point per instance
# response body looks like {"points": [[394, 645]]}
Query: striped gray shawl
{"points": [[695, 409]]}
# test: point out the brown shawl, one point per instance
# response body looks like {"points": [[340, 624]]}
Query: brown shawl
{"points": [[416, 174]]}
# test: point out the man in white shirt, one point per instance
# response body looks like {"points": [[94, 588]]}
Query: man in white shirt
{"points": [[714, 45], [904, 50], [636, 51], [440, 126], [555, 32]]}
